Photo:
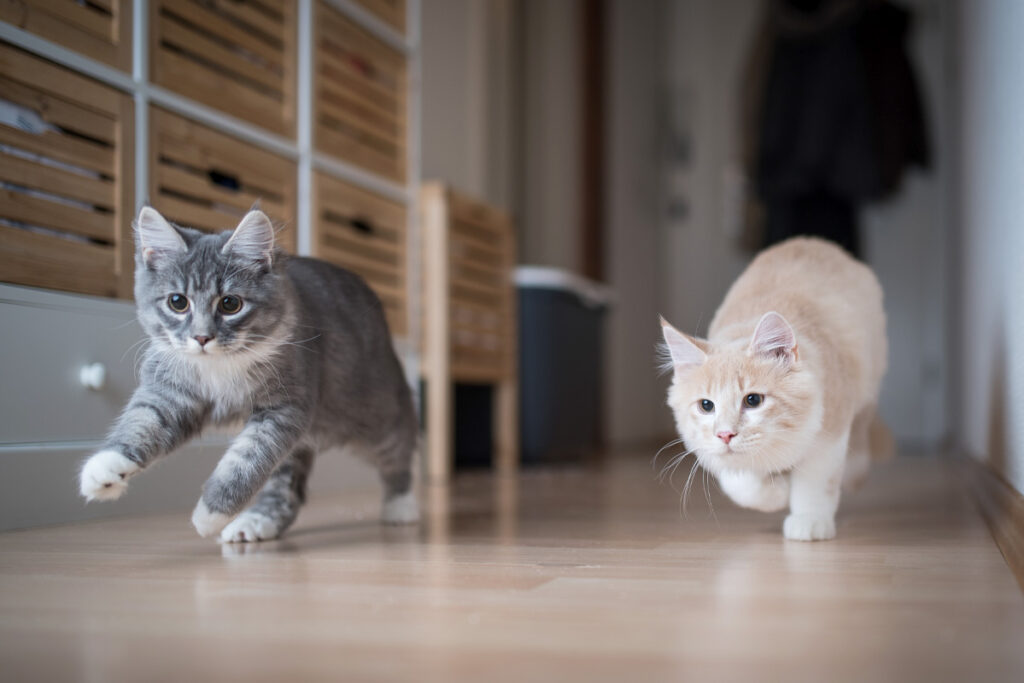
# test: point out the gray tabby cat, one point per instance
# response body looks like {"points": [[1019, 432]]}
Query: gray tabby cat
{"points": [[297, 348]]}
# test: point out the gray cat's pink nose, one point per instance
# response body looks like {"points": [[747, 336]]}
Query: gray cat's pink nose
{"points": [[202, 339], [726, 436]]}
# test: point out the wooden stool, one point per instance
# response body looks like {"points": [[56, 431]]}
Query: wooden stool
{"points": [[469, 305]]}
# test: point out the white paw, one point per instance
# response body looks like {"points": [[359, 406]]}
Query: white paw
{"points": [[401, 509], [756, 491], [249, 527], [809, 527], [104, 476], [207, 522]]}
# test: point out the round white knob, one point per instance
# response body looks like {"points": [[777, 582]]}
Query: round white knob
{"points": [[93, 376]]}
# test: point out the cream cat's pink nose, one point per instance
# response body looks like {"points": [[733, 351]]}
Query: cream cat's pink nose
{"points": [[726, 436]]}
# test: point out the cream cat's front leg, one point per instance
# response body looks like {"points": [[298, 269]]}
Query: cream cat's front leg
{"points": [[814, 493], [766, 493]]}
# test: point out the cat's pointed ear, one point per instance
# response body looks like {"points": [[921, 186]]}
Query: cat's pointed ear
{"points": [[253, 239], [683, 350], [774, 337], [156, 239]]}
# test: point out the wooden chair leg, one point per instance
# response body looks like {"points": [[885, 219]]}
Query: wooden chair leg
{"points": [[506, 427]]}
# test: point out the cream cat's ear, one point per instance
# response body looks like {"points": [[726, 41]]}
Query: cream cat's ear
{"points": [[155, 238], [253, 239], [774, 337], [683, 350]]}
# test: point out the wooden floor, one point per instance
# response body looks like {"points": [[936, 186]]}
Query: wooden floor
{"points": [[567, 575]]}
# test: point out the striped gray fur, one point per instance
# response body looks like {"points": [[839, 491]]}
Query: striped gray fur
{"points": [[307, 363]]}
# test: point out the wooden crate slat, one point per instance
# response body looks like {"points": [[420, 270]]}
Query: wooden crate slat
{"points": [[193, 215], [62, 148], [229, 55], [43, 261], [89, 32], [191, 198], [375, 127], [195, 43], [34, 72], [343, 146], [199, 15], [343, 76], [247, 13], [341, 86], [59, 111], [17, 206], [360, 109], [379, 256], [80, 16], [180, 74], [392, 12], [62, 183], [186, 183]]}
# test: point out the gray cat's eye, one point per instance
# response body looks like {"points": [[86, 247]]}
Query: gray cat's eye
{"points": [[177, 303], [229, 305], [707, 406]]}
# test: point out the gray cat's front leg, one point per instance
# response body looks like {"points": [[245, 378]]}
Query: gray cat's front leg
{"points": [[155, 422], [268, 437]]}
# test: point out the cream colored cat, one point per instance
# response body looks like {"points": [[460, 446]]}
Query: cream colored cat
{"points": [[779, 402]]}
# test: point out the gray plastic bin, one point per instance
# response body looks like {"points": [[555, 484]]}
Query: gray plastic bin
{"points": [[561, 340]]}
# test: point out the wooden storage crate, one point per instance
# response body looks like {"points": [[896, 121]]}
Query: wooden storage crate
{"points": [[391, 12], [205, 179], [470, 320], [238, 56], [360, 96], [100, 29], [366, 234], [66, 179]]}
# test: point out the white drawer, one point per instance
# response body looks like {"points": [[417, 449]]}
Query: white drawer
{"points": [[45, 340]]}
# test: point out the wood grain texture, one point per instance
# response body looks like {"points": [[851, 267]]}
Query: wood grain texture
{"points": [[1002, 506], [360, 91], [576, 574], [470, 319], [237, 57], [100, 30], [69, 195], [205, 179]]}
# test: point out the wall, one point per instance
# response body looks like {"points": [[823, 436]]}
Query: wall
{"points": [[634, 395], [470, 94], [989, 205], [906, 238]]}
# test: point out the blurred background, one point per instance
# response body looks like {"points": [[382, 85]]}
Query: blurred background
{"points": [[615, 159], [633, 144]]}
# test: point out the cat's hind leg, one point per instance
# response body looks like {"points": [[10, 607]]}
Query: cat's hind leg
{"points": [[276, 505], [395, 459]]}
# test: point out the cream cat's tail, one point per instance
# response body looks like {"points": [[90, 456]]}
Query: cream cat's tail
{"points": [[870, 441]]}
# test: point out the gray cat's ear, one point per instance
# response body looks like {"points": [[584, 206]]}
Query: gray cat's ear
{"points": [[253, 239], [774, 337], [155, 238], [683, 350]]}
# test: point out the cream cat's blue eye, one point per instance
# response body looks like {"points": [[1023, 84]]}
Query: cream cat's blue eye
{"points": [[707, 406], [753, 400], [177, 303]]}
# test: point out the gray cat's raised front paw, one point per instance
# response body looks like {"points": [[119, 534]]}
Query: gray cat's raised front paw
{"points": [[104, 476]]}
